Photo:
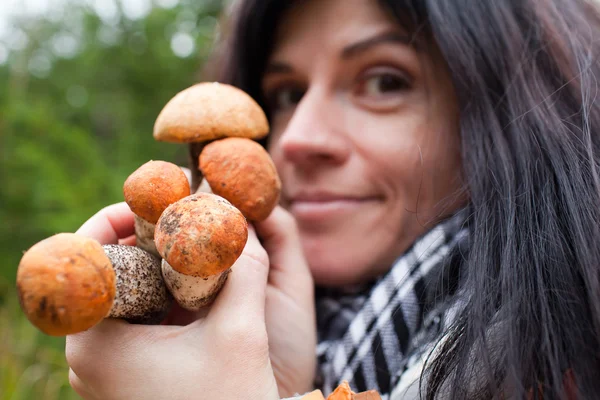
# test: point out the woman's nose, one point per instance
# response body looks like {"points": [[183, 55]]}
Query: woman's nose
{"points": [[315, 135]]}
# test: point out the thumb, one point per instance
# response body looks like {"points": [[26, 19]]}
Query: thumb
{"points": [[243, 295], [110, 224], [280, 237]]}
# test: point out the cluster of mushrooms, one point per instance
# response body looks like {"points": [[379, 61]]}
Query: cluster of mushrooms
{"points": [[343, 392], [186, 242]]}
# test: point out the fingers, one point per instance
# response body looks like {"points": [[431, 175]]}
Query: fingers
{"points": [[110, 336], [102, 355], [243, 295], [280, 237], [129, 241], [179, 316], [110, 224], [278, 230]]}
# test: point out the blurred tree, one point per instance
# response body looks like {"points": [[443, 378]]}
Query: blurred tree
{"points": [[77, 107], [80, 89]]}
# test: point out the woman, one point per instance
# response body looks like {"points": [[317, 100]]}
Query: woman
{"points": [[440, 170]]}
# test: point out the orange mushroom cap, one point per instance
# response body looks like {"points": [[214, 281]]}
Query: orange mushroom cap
{"points": [[242, 171], [66, 284], [208, 111], [201, 235], [342, 392], [368, 395], [154, 186], [314, 395]]}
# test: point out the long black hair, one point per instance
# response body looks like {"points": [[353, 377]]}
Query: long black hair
{"points": [[525, 73]]}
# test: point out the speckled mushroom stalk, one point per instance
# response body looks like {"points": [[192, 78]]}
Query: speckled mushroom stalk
{"points": [[241, 171], [68, 283], [206, 112], [199, 238], [148, 191], [141, 296]]}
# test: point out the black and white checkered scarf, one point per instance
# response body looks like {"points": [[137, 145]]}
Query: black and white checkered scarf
{"points": [[368, 334]]}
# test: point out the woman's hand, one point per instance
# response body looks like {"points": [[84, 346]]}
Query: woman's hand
{"points": [[222, 356], [290, 308]]}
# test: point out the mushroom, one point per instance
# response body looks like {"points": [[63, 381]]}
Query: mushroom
{"points": [[208, 111], [314, 395], [343, 392], [241, 171], [68, 283], [199, 238], [148, 191], [368, 395]]}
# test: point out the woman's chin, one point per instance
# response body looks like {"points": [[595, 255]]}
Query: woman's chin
{"points": [[346, 259], [329, 273]]}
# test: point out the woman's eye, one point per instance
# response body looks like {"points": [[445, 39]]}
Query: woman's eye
{"points": [[382, 89], [383, 83], [284, 98]]}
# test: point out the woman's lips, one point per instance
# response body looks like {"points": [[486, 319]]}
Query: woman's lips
{"points": [[319, 208]]}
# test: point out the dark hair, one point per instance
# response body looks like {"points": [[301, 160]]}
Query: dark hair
{"points": [[525, 73]]}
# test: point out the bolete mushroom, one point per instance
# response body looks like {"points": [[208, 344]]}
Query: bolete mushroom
{"points": [[148, 191], [343, 392], [199, 238], [241, 171], [314, 395], [68, 283], [368, 395], [205, 112]]}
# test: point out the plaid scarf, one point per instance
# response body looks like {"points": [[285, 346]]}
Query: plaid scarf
{"points": [[369, 334]]}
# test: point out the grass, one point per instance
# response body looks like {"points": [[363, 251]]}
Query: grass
{"points": [[32, 365]]}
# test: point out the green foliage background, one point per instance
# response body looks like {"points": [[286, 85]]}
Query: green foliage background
{"points": [[78, 99]]}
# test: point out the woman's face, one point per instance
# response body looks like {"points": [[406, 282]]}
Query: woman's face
{"points": [[364, 133]]}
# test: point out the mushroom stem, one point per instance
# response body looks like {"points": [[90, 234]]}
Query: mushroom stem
{"points": [[141, 294], [144, 234], [195, 150], [193, 292], [204, 187]]}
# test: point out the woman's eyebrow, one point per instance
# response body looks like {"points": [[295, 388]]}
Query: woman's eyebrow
{"points": [[277, 67], [359, 47]]}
